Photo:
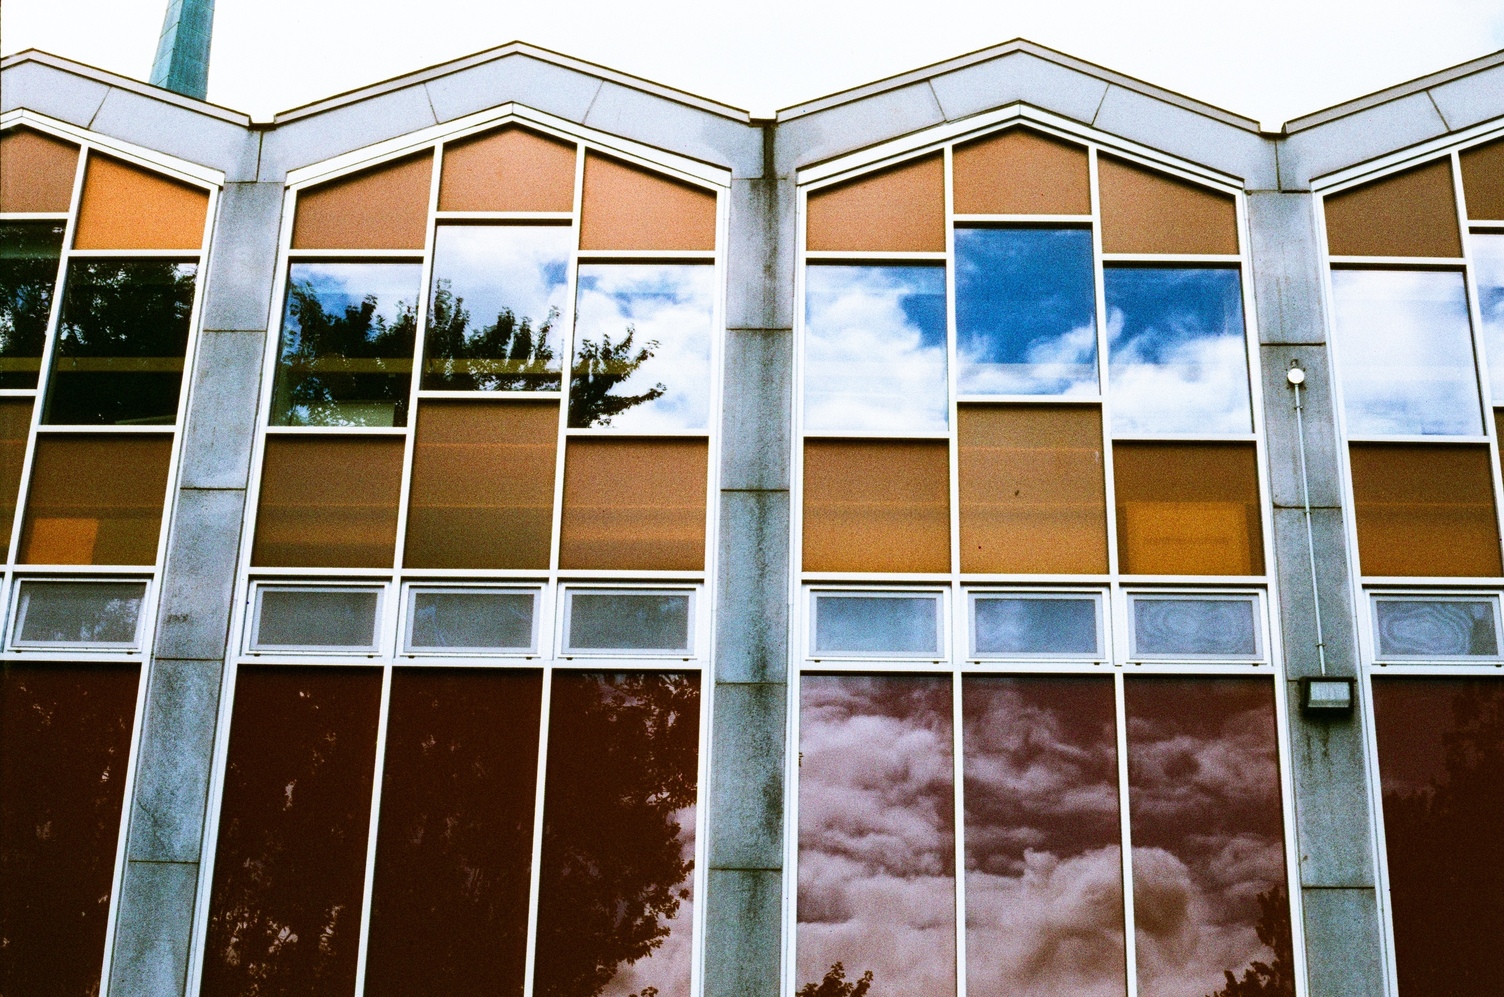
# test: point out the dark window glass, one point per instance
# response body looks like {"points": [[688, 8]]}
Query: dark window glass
{"points": [[284, 914], [28, 273], [313, 618], [121, 342], [78, 612], [615, 901], [15, 427], [471, 620], [855, 624], [623, 620], [1035, 626], [346, 355], [65, 737]]}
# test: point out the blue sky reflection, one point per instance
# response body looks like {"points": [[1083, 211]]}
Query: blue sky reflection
{"points": [[1488, 270]]}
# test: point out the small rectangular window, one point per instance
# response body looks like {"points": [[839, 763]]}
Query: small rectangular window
{"points": [[78, 614], [471, 620], [1437, 628], [1036, 626], [627, 621], [312, 618], [876, 624], [1195, 627]]}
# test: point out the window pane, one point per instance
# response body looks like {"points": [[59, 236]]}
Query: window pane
{"points": [[121, 342], [1488, 270], [634, 505], [292, 832], [78, 612], [454, 849], [65, 737], [1020, 625], [874, 349], [1441, 771], [1025, 312], [328, 502], [1209, 893], [28, 272], [509, 169], [625, 207], [1406, 357], [493, 322], [1412, 213], [15, 426], [1145, 211], [854, 624], [95, 499], [899, 209], [1420, 628], [621, 620], [615, 892], [312, 618], [127, 207], [346, 354], [877, 853], [1177, 358], [36, 171], [1044, 857], [1199, 627], [642, 347], [1188, 509], [381, 208], [1483, 180], [465, 620], [876, 505], [1425, 509], [1021, 172]]}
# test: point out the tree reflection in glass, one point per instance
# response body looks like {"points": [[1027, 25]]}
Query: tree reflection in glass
{"points": [[1488, 270], [877, 831], [498, 291], [346, 355], [874, 349], [1177, 358], [28, 272], [1025, 312], [642, 347]]}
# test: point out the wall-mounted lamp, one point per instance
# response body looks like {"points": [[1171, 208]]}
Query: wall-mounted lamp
{"points": [[1328, 696]]}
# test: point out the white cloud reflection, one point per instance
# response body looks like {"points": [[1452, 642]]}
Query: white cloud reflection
{"points": [[494, 267], [1488, 270], [1064, 365]]}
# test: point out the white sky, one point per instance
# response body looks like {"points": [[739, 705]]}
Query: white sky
{"points": [[1272, 60]]}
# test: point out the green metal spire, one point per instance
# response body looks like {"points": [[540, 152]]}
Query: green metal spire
{"points": [[182, 63]]}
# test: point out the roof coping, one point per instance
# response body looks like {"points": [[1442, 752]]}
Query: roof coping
{"points": [[125, 83], [1417, 85]]}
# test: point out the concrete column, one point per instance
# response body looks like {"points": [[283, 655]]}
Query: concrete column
{"points": [[1344, 940], [165, 837]]}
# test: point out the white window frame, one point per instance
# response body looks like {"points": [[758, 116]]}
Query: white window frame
{"points": [[412, 590], [13, 625], [939, 596], [1260, 643], [378, 631], [691, 635], [1375, 597], [1103, 652]]}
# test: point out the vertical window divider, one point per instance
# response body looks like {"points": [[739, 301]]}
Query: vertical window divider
{"points": [[958, 797], [530, 958], [951, 358], [1130, 939], [1109, 495], [378, 769]]}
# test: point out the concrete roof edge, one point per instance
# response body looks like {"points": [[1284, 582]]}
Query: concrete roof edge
{"points": [[1418, 85], [119, 82], [1018, 45]]}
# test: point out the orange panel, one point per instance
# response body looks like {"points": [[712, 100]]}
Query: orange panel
{"points": [[634, 504], [328, 502], [630, 208], [897, 210], [381, 208], [15, 424], [1483, 181], [1020, 172], [1033, 495], [95, 499], [483, 485], [1188, 509], [510, 169], [1425, 509], [876, 505], [126, 207], [36, 171], [1144, 211], [1413, 213]]}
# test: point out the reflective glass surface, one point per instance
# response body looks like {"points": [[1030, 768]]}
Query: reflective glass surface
{"points": [[1488, 271], [78, 612], [310, 618], [1177, 361], [120, 342], [480, 620], [627, 621], [493, 320], [1436, 627], [1035, 626], [346, 355], [1198, 627], [642, 335], [28, 272], [1025, 312], [1405, 353], [855, 624], [874, 349]]}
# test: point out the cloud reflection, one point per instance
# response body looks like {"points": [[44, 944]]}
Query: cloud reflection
{"points": [[1488, 269]]}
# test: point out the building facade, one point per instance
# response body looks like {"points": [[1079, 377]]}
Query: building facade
{"points": [[521, 529]]}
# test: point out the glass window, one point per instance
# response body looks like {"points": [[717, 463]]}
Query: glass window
{"points": [[1425, 509], [1025, 312], [1177, 357], [1203, 627], [876, 624], [481, 620], [1488, 271], [314, 618], [121, 342], [642, 347], [493, 319], [328, 501], [874, 342], [1437, 628], [876, 505], [346, 354], [634, 504], [1035, 625], [28, 272], [628, 621], [1406, 353], [95, 498], [101, 613]]}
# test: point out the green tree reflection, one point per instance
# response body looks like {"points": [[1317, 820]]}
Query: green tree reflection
{"points": [[599, 368], [510, 354], [835, 984]]}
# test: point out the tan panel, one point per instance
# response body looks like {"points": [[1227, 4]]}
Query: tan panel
{"points": [[1033, 494], [483, 485], [634, 504], [1020, 172], [629, 208], [1482, 181], [95, 499], [126, 207], [1188, 509], [510, 169], [1413, 213], [1425, 509], [36, 171], [15, 425], [1144, 211], [876, 505], [328, 502], [381, 208], [897, 210]]}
